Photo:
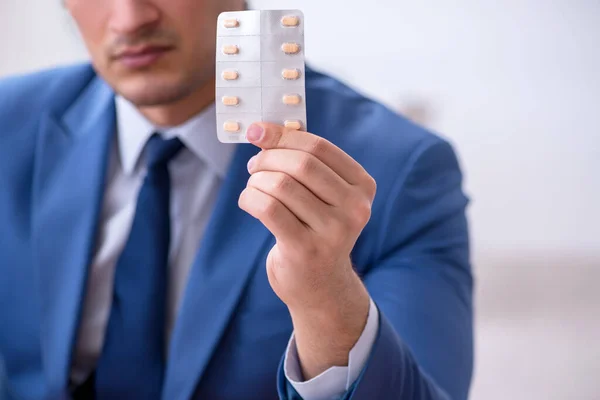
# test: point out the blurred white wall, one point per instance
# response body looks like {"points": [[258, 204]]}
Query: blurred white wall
{"points": [[515, 85], [35, 34]]}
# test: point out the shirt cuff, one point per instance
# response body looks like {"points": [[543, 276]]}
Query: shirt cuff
{"points": [[333, 383]]}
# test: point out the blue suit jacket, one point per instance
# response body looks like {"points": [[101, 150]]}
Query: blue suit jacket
{"points": [[228, 343]]}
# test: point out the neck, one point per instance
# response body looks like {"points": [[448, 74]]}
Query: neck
{"points": [[180, 111]]}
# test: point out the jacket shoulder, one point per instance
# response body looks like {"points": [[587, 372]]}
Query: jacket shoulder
{"points": [[25, 100], [384, 142], [25, 97], [349, 118]]}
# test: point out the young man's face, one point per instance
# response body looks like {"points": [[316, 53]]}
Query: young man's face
{"points": [[153, 52]]}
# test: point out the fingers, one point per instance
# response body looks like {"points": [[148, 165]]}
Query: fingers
{"points": [[276, 217], [272, 136], [311, 172], [295, 197]]}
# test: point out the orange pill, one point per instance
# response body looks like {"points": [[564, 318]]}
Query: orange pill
{"points": [[230, 75], [231, 49], [290, 48], [290, 74], [231, 100], [231, 23], [231, 126], [293, 124], [290, 21], [291, 99]]}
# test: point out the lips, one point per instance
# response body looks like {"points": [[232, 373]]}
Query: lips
{"points": [[141, 57]]}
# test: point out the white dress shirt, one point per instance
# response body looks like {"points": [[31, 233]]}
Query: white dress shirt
{"points": [[196, 176]]}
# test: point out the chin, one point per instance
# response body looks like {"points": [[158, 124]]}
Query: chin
{"points": [[151, 91]]}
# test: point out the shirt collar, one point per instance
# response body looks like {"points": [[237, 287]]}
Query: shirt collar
{"points": [[198, 134]]}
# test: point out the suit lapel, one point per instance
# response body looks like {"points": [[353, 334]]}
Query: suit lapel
{"points": [[228, 255], [71, 161], [69, 176]]}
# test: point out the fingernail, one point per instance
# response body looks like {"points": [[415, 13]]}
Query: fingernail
{"points": [[251, 163], [254, 132]]}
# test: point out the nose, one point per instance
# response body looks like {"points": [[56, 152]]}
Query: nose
{"points": [[130, 16]]}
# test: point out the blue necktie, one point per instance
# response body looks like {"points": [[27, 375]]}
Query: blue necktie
{"points": [[132, 362]]}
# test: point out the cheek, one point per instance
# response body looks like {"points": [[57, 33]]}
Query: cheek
{"points": [[90, 19], [196, 23]]}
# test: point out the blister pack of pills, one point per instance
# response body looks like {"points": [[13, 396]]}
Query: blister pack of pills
{"points": [[260, 71]]}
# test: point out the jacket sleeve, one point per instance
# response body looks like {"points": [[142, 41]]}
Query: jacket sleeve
{"points": [[422, 285]]}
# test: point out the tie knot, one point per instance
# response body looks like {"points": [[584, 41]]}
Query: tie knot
{"points": [[160, 151]]}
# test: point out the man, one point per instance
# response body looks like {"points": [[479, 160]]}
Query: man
{"points": [[142, 259]]}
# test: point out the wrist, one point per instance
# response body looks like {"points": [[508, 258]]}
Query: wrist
{"points": [[342, 319], [326, 334]]}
